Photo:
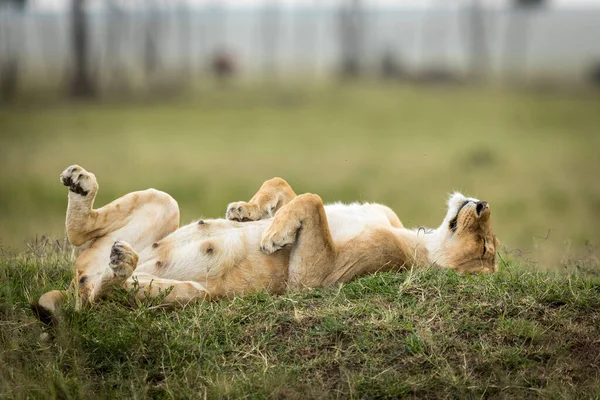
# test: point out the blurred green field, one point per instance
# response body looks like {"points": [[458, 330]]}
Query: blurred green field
{"points": [[534, 157]]}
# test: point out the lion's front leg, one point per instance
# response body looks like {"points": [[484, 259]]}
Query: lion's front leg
{"points": [[272, 195], [82, 192], [85, 223], [303, 224]]}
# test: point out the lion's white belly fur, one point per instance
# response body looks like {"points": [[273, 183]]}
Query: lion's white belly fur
{"points": [[201, 251], [347, 221]]}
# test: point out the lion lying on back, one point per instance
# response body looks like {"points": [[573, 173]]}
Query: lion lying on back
{"points": [[276, 241]]}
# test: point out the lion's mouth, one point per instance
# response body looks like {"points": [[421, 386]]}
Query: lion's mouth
{"points": [[481, 205]]}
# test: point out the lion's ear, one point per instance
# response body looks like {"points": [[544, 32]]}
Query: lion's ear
{"points": [[496, 241]]}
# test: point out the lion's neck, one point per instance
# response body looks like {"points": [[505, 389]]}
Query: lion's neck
{"points": [[424, 244]]}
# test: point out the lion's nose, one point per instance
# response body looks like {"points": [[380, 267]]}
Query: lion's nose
{"points": [[481, 205]]}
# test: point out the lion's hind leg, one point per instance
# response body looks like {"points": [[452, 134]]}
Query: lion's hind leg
{"points": [[120, 273], [303, 224], [123, 260]]}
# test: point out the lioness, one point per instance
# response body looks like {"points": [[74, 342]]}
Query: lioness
{"points": [[276, 241]]}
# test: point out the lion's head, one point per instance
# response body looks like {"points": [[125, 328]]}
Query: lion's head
{"points": [[465, 241]]}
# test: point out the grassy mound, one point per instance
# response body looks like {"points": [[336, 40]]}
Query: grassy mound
{"points": [[425, 333]]}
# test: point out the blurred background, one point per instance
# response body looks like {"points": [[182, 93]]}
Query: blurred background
{"points": [[392, 101]]}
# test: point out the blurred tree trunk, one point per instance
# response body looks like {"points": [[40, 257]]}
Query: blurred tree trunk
{"points": [[315, 39], [47, 30], [352, 37], [516, 44], [151, 33], [270, 37], [201, 55], [81, 81], [478, 41], [10, 54], [116, 23], [185, 33]]}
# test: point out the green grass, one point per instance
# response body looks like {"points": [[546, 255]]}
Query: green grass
{"points": [[422, 333], [525, 332], [533, 157]]}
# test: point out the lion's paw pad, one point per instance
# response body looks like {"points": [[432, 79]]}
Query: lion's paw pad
{"points": [[122, 259], [78, 180], [274, 241], [242, 212]]}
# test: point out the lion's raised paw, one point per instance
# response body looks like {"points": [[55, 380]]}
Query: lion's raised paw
{"points": [[78, 180], [242, 212]]}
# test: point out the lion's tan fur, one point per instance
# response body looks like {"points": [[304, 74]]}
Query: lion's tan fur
{"points": [[276, 241]]}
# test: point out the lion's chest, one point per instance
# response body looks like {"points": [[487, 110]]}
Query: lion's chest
{"points": [[348, 221]]}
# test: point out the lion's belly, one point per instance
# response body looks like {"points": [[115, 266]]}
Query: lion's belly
{"points": [[219, 254]]}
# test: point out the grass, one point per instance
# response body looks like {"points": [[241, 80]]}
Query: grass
{"points": [[532, 156], [524, 332], [421, 333]]}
